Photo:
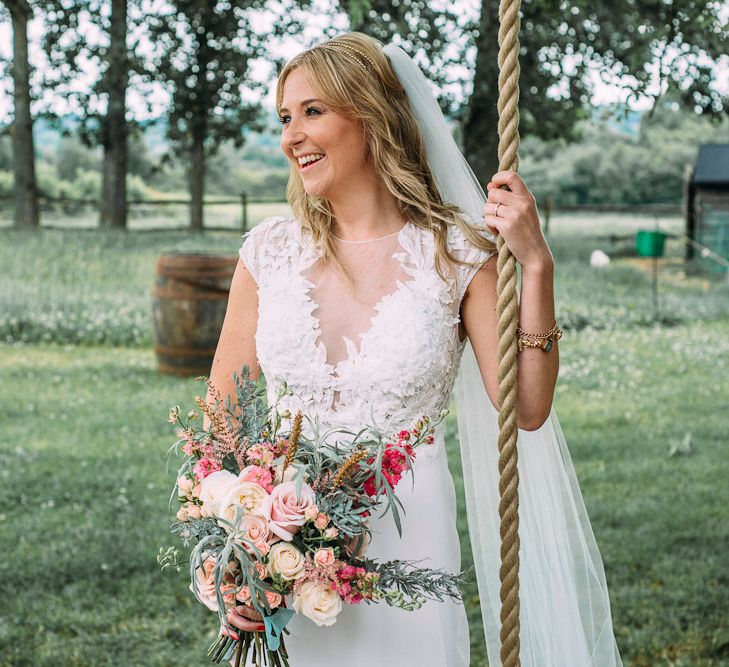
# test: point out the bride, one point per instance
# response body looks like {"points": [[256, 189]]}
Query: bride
{"points": [[371, 303]]}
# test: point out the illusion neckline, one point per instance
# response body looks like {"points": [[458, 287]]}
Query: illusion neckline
{"points": [[379, 238]]}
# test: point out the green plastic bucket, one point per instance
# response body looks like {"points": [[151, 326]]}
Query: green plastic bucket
{"points": [[649, 243]]}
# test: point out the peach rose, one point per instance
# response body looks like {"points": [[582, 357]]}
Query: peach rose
{"points": [[205, 581], [321, 521], [243, 595], [324, 557], [229, 594], [274, 599], [184, 484], [288, 511], [193, 510]]}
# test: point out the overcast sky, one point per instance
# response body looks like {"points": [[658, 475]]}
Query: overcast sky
{"points": [[604, 93]]}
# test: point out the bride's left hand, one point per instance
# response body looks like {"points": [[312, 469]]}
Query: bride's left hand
{"points": [[517, 220]]}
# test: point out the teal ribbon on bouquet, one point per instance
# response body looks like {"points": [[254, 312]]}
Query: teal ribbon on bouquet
{"points": [[275, 624]]}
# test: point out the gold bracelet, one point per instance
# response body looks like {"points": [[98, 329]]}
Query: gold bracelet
{"points": [[544, 341]]}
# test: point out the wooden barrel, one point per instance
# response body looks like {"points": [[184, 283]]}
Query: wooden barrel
{"points": [[188, 307]]}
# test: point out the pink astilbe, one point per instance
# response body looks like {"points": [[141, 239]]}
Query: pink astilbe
{"points": [[226, 441], [321, 574]]}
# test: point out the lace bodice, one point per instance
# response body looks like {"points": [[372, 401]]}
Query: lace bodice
{"points": [[381, 355]]}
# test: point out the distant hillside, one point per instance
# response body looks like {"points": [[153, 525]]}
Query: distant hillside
{"points": [[47, 134]]}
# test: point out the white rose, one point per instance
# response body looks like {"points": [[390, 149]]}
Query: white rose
{"points": [[287, 475], [213, 488], [286, 560], [249, 497], [318, 602]]}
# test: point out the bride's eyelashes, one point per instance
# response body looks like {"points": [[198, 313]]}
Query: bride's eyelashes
{"points": [[283, 121]]}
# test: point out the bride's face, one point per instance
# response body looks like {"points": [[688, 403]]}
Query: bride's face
{"points": [[310, 127]]}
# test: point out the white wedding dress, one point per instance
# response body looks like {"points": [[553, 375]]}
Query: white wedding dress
{"points": [[384, 356]]}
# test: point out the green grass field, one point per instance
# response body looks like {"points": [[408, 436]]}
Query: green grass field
{"points": [[84, 441]]}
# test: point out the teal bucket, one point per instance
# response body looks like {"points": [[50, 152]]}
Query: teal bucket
{"points": [[649, 243]]}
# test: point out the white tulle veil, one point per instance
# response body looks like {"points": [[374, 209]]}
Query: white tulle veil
{"points": [[564, 606]]}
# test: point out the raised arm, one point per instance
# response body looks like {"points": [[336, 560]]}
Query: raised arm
{"points": [[537, 370]]}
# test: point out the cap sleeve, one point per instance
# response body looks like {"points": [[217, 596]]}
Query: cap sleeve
{"points": [[253, 251], [464, 250]]}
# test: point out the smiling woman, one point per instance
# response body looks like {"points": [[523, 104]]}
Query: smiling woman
{"points": [[358, 310], [329, 149]]}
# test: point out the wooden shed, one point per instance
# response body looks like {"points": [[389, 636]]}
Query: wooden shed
{"points": [[706, 204]]}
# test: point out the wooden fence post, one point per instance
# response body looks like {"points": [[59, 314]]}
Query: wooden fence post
{"points": [[547, 213], [244, 211]]}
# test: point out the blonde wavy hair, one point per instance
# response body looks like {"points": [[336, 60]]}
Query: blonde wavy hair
{"points": [[374, 96]]}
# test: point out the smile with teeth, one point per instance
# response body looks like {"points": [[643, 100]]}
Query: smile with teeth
{"points": [[306, 161]]}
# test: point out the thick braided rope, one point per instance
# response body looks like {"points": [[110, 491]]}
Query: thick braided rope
{"points": [[507, 310]]}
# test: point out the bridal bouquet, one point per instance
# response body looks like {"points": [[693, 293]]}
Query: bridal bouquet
{"points": [[280, 521]]}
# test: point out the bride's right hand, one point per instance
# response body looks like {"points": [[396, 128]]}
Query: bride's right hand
{"points": [[243, 617]]}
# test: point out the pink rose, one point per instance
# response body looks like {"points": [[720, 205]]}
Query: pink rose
{"points": [[263, 547], [255, 528], [331, 533], [324, 557], [193, 511], [311, 512], [321, 521], [288, 511]]}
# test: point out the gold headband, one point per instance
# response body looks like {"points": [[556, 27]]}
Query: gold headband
{"points": [[346, 50]]}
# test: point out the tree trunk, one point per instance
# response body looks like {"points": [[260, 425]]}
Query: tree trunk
{"points": [[114, 186], [26, 192], [197, 176], [480, 130]]}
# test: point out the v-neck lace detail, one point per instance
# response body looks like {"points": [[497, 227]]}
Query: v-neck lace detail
{"points": [[407, 357], [353, 349]]}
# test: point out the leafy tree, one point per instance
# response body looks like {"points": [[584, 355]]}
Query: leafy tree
{"points": [[608, 166], [204, 51], [426, 32], [26, 193], [102, 106], [560, 39]]}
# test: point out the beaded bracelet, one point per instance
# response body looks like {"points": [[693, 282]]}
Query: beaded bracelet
{"points": [[543, 341]]}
